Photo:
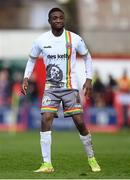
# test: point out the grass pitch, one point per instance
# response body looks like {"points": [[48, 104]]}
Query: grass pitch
{"points": [[20, 154]]}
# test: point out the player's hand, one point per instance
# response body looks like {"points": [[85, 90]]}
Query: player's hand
{"points": [[87, 87], [24, 86]]}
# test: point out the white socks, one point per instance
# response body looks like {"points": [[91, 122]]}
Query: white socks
{"points": [[87, 141], [45, 141]]}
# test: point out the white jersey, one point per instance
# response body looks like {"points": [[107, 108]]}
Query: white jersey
{"points": [[59, 55]]}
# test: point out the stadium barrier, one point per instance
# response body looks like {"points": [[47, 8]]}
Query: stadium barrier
{"points": [[97, 119], [101, 119]]}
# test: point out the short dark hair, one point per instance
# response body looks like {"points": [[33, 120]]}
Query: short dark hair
{"points": [[54, 10]]}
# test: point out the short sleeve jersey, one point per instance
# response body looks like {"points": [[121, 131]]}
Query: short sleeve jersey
{"points": [[59, 54]]}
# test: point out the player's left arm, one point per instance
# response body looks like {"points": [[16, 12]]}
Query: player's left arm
{"points": [[87, 87], [83, 51]]}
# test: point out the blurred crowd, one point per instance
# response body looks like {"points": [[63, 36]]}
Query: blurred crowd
{"points": [[103, 94], [10, 89]]}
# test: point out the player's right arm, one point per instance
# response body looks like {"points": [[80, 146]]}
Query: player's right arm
{"points": [[27, 74], [35, 52]]}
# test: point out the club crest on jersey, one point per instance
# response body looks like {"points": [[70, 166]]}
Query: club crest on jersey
{"points": [[68, 45]]}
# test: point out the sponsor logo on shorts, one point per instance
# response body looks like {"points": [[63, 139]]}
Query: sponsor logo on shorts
{"points": [[46, 100]]}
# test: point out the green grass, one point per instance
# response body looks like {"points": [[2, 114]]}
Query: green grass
{"points": [[20, 154]]}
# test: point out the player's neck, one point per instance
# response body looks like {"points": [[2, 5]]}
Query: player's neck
{"points": [[56, 32]]}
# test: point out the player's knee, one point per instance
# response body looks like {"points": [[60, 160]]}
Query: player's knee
{"points": [[46, 122], [47, 117]]}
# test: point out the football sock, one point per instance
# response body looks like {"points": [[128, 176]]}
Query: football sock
{"points": [[87, 142], [45, 142]]}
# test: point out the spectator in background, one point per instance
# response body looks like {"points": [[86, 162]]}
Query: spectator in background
{"points": [[109, 92], [109, 96], [16, 89], [98, 91], [111, 81], [124, 89], [5, 87], [15, 98], [124, 82], [98, 85]]}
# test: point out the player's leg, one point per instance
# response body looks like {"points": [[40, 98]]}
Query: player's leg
{"points": [[46, 121], [45, 142], [45, 136], [85, 137], [72, 107], [48, 110]]}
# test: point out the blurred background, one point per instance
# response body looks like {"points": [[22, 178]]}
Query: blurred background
{"points": [[104, 25]]}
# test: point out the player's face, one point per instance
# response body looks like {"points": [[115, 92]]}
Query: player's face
{"points": [[57, 20]]}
